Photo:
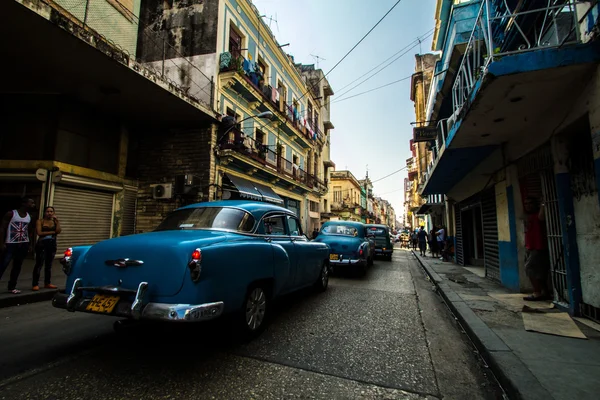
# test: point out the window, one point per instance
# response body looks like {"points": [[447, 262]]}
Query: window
{"points": [[274, 226], [294, 226], [339, 229], [208, 218], [282, 90], [337, 194], [235, 42], [309, 115]]}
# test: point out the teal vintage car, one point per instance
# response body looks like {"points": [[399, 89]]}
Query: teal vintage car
{"points": [[383, 242], [203, 261], [349, 243]]}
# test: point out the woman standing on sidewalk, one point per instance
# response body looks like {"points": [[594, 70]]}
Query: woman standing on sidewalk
{"points": [[46, 228]]}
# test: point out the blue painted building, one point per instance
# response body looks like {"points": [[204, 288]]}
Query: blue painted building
{"points": [[516, 102]]}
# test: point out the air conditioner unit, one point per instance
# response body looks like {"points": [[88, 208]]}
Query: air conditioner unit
{"points": [[162, 190]]}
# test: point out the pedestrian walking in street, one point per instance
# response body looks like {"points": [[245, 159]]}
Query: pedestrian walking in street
{"points": [[441, 242], [45, 249], [432, 240], [422, 237], [15, 233], [414, 239], [315, 233], [537, 259]]}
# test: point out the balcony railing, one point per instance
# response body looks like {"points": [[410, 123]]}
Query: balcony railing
{"points": [[239, 64], [500, 31], [239, 142]]}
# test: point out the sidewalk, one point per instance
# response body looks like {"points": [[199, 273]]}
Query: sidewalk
{"points": [[24, 285], [529, 365]]}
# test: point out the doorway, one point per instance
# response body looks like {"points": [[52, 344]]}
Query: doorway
{"points": [[472, 228]]}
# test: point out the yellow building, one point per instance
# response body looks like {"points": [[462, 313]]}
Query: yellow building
{"points": [[345, 197]]}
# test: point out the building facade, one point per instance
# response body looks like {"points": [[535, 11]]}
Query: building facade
{"points": [[79, 116], [515, 101], [346, 195]]}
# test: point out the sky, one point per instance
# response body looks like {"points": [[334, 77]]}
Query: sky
{"points": [[374, 128]]}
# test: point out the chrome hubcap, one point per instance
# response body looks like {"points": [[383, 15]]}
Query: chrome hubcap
{"points": [[324, 275], [256, 306]]}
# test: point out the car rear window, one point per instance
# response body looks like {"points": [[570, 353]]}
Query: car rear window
{"points": [[208, 218], [340, 229], [377, 231]]}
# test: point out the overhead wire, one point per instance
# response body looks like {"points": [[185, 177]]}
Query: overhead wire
{"points": [[384, 61], [352, 49], [405, 51]]}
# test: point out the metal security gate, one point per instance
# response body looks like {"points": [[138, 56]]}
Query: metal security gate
{"points": [[129, 209], [85, 216], [537, 179], [459, 250], [490, 235]]}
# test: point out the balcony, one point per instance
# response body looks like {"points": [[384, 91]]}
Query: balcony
{"points": [[236, 73], [252, 157], [518, 64]]}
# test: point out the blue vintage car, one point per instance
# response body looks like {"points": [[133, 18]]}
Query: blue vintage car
{"points": [[349, 243], [203, 261]]}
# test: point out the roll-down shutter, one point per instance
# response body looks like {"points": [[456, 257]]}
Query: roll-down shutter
{"points": [[460, 257], [85, 216], [129, 206], [490, 234]]}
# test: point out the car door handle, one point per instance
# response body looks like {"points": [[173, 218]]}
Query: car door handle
{"points": [[293, 239], [268, 239]]}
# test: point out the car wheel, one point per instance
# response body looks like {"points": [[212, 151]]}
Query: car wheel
{"points": [[254, 311], [323, 280], [370, 261]]}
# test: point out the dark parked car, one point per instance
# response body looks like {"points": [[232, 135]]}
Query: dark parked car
{"points": [[204, 260], [349, 244], [383, 243]]}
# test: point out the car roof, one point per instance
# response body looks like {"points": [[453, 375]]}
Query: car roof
{"points": [[377, 226], [256, 208], [348, 223]]}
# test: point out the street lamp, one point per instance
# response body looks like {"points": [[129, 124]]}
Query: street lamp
{"points": [[262, 115]]}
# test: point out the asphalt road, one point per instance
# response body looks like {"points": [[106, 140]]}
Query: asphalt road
{"points": [[384, 336]]}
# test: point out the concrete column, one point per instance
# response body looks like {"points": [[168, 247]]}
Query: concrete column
{"points": [[515, 214], [594, 116], [560, 155]]}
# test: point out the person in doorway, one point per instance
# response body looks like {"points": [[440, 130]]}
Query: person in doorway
{"points": [[422, 238], [15, 233], [441, 242], [315, 233], [537, 260], [46, 228]]}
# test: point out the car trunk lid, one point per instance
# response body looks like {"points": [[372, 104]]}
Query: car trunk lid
{"points": [[159, 258]]}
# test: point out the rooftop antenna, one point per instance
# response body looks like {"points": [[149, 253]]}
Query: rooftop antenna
{"points": [[317, 58], [271, 19]]}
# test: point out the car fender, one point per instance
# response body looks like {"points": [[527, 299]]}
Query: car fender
{"points": [[228, 270], [77, 261]]}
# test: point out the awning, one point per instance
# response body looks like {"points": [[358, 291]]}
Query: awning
{"points": [[423, 209], [245, 188], [268, 194], [254, 191]]}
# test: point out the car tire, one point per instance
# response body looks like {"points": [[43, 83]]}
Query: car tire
{"points": [[322, 281], [255, 311], [370, 261]]}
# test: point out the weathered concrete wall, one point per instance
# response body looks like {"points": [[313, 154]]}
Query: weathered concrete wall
{"points": [[173, 29], [587, 215], [106, 18], [157, 157]]}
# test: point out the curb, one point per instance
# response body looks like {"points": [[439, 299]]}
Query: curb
{"points": [[27, 298], [515, 378]]}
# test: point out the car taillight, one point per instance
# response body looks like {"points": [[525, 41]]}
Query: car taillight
{"points": [[360, 252], [66, 260], [195, 265], [197, 255]]}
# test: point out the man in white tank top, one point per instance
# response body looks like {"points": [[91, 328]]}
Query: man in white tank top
{"points": [[15, 233]]}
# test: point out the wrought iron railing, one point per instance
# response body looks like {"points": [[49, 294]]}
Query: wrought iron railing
{"points": [[500, 31], [87, 21], [241, 143], [290, 112]]}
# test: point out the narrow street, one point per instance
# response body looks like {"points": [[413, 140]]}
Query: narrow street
{"points": [[387, 335]]}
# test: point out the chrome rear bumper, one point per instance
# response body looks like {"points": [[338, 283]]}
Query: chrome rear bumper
{"points": [[135, 309], [348, 261]]}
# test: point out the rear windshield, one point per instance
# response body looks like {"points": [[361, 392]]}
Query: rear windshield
{"points": [[340, 229], [208, 218], [377, 231]]}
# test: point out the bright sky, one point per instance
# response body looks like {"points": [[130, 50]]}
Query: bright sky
{"points": [[371, 129]]}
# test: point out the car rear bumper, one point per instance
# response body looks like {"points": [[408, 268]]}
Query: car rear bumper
{"points": [[359, 262], [131, 305], [383, 252]]}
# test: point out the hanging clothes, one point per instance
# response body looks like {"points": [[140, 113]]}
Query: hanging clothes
{"points": [[274, 94], [225, 60]]}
